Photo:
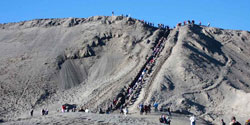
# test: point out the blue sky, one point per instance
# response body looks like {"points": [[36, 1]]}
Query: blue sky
{"points": [[227, 14]]}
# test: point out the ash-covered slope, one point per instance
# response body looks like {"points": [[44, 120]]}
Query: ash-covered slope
{"points": [[50, 62], [205, 71]]}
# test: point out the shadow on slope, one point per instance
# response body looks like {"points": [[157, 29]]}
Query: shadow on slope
{"points": [[208, 44]]}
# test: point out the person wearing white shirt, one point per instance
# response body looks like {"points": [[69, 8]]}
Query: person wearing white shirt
{"points": [[192, 120]]}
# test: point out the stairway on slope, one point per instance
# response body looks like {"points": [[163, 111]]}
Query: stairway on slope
{"points": [[131, 94]]}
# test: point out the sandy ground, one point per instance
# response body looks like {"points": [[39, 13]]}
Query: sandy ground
{"points": [[107, 119]]}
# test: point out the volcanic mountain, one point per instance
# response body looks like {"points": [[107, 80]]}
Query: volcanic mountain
{"points": [[198, 70]]}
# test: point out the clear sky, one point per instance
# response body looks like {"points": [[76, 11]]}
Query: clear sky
{"points": [[227, 14]]}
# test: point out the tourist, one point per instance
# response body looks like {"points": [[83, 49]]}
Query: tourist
{"points": [[111, 107], [208, 24], [101, 111], [167, 27], [74, 109], [31, 112], [161, 109], [192, 21], [149, 108], [156, 106], [141, 107], [162, 119], [222, 122], [146, 109], [121, 109], [63, 108], [46, 112], [130, 91], [234, 122], [125, 111], [169, 112], [87, 110], [107, 111], [43, 112], [148, 41], [247, 122], [114, 101], [192, 120], [178, 25], [67, 108], [167, 120], [81, 110]]}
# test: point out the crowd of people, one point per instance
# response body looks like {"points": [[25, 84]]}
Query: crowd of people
{"points": [[147, 23], [232, 122], [129, 94], [68, 108], [163, 26], [189, 22], [147, 109]]}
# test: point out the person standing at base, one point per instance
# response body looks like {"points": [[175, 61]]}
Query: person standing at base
{"points": [[208, 24], [42, 112], [101, 111], [169, 112], [156, 106], [168, 121], [162, 119], [222, 122], [247, 122], [192, 120], [125, 111], [121, 109], [149, 108], [46, 112], [146, 109], [141, 107], [234, 122], [31, 112], [193, 22], [184, 23], [87, 110], [63, 108]]}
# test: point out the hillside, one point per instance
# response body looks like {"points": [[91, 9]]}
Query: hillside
{"points": [[200, 70], [204, 71]]}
